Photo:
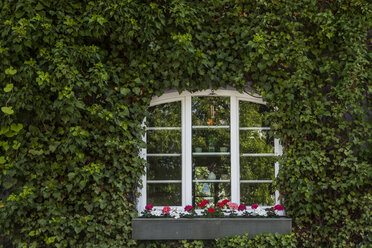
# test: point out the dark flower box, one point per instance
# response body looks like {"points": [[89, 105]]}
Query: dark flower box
{"points": [[206, 228]]}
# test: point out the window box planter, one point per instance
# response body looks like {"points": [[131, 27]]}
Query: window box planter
{"points": [[206, 228]]}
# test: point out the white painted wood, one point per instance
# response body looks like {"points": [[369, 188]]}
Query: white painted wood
{"points": [[279, 151], [259, 154], [254, 128], [256, 181], [234, 144], [164, 181], [141, 201], [210, 127], [163, 154], [210, 181], [163, 128], [188, 151], [211, 154]]}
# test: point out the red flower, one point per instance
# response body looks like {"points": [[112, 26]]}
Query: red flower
{"points": [[242, 207], [166, 210], [220, 205], [188, 208], [211, 210], [149, 207], [202, 204], [225, 201], [278, 207], [254, 206]]}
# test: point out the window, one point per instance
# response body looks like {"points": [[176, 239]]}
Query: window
{"points": [[209, 145]]}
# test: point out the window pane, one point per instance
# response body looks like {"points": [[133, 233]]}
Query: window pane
{"points": [[213, 192], [164, 141], [260, 193], [252, 114], [164, 168], [210, 111], [164, 194], [211, 140], [257, 168], [165, 115], [211, 168], [256, 141]]}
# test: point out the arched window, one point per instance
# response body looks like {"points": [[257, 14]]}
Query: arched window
{"points": [[209, 145]]}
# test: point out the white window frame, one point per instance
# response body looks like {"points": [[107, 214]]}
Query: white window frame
{"points": [[186, 127]]}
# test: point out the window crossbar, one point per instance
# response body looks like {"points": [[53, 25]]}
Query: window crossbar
{"points": [[164, 181], [163, 154], [163, 128], [256, 181], [254, 128], [259, 155]]}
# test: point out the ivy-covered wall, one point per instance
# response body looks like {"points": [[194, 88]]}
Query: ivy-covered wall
{"points": [[77, 76]]}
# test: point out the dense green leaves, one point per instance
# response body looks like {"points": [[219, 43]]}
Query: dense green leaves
{"points": [[76, 78]]}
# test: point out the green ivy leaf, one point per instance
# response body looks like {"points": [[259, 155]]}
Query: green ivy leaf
{"points": [[8, 87], [16, 127], [7, 110], [124, 91], [10, 71]]}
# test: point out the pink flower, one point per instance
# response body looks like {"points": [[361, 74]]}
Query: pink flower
{"points": [[211, 210], [232, 205], [242, 207], [149, 207], [278, 207], [188, 208], [166, 210], [254, 206]]}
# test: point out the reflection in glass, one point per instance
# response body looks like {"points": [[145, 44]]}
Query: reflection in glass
{"points": [[210, 111], [257, 168], [204, 166], [163, 141], [256, 141], [164, 168], [213, 192], [260, 193], [252, 114], [164, 194], [211, 140], [165, 115]]}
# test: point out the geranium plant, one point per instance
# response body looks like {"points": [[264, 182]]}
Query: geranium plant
{"points": [[221, 209]]}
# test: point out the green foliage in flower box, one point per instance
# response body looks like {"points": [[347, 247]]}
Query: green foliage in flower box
{"points": [[77, 77]]}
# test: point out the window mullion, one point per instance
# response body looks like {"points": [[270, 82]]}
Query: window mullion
{"points": [[143, 199], [278, 149], [234, 139], [187, 151]]}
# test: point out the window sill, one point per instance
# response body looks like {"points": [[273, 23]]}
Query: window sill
{"points": [[206, 228]]}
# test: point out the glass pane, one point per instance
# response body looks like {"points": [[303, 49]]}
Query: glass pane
{"points": [[252, 114], [213, 192], [211, 168], [211, 140], [164, 168], [261, 194], [256, 141], [257, 168], [164, 194], [165, 115], [164, 141], [210, 111]]}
